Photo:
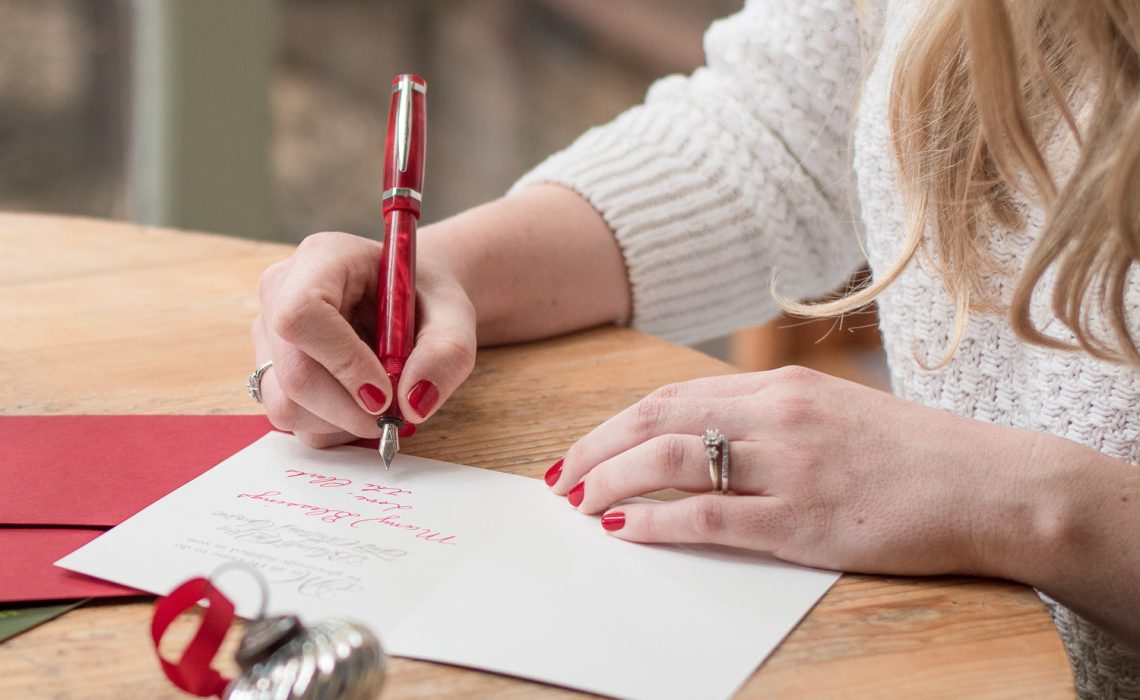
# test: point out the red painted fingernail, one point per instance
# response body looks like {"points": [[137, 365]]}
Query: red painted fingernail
{"points": [[553, 473], [577, 494], [423, 396], [408, 430], [613, 521], [373, 398]]}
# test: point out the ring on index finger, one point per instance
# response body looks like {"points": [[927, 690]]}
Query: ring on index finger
{"points": [[716, 448]]}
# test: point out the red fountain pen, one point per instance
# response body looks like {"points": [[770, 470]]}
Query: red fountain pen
{"points": [[403, 187]]}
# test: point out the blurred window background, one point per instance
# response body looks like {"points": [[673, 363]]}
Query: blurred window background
{"points": [[144, 109], [63, 106], [266, 118]]}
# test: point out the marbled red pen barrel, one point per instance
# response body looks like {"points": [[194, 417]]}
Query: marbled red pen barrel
{"points": [[403, 188]]}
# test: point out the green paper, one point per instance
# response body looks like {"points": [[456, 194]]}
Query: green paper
{"points": [[19, 619]]}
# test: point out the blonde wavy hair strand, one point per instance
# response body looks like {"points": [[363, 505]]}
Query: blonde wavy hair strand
{"points": [[978, 87]]}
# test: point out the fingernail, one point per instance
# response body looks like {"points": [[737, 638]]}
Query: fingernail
{"points": [[373, 398], [553, 473], [577, 494], [423, 396], [408, 430], [613, 521]]}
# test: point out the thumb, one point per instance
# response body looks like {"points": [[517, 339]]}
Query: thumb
{"points": [[442, 359]]}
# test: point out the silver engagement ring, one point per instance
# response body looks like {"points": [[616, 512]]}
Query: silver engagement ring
{"points": [[253, 384], [716, 448]]}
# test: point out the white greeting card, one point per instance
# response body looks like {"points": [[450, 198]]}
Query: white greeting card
{"points": [[465, 566]]}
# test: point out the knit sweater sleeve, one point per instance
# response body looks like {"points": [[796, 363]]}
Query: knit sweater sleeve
{"points": [[740, 171]]}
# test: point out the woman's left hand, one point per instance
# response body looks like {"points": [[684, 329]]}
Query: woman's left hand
{"points": [[824, 472]]}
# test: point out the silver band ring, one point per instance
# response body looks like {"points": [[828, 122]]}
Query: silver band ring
{"points": [[724, 467], [716, 448], [253, 384]]}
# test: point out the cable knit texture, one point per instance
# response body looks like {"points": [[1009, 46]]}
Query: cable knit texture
{"points": [[742, 171], [723, 177]]}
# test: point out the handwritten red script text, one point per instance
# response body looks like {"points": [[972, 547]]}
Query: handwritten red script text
{"points": [[392, 509]]}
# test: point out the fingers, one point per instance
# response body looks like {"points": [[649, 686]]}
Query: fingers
{"points": [[301, 396], [326, 381], [444, 353], [734, 404], [752, 522], [667, 461], [652, 417], [330, 276], [657, 444], [305, 382], [292, 417], [316, 329]]}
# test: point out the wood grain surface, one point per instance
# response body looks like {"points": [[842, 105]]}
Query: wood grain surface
{"points": [[103, 317]]}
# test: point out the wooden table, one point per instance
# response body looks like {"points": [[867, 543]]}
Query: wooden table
{"points": [[102, 317]]}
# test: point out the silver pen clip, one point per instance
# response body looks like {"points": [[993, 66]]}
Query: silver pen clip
{"points": [[404, 122]]}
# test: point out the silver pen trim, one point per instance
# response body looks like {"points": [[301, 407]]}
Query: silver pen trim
{"points": [[415, 86], [404, 122], [402, 192]]}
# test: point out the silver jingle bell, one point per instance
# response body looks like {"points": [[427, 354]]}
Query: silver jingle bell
{"points": [[281, 659]]}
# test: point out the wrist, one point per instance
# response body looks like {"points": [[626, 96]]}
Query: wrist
{"points": [[538, 263], [1046, 528]]}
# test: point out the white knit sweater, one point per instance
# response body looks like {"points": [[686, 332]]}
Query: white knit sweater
{"points": [[743, 170]]}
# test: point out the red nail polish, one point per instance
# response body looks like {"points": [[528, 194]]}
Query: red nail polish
{"points": [[577, 494], [408, 430], [373, 398], [553, 473], [423, 396], [613, 521]]}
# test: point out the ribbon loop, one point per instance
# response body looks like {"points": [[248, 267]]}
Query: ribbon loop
{"points": [[193, 672]]}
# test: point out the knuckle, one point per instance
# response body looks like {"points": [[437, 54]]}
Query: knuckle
{"points": [[283, 413], [795, 375], [296, 316], [572, 456], [270, 280], [319, 241], [669, 453], [669, 391], [648, 415], [706, 519], [792, 410], [341, 364], [293, 374]]}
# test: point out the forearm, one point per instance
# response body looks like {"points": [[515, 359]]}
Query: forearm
{"points": [[536, 264], [1083, 537]]}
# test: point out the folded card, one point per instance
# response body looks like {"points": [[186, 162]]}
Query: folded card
{"points": [[465, 566]]}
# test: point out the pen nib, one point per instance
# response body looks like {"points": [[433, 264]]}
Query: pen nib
{"points": [[389, 442]]}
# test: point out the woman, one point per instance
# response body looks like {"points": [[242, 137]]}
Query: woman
{"points": [[995, 161]]}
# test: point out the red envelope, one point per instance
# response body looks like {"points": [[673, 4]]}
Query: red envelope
{"points": [[29, 574], [63, 479]]}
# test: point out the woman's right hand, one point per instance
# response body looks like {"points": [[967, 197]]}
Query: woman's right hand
{"points": [[538, 263], [318, 324]]}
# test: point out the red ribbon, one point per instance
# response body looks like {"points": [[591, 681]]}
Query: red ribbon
{"points": [[193, 673]]}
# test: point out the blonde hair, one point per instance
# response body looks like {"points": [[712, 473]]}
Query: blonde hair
{"points": [[978, 87]]}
